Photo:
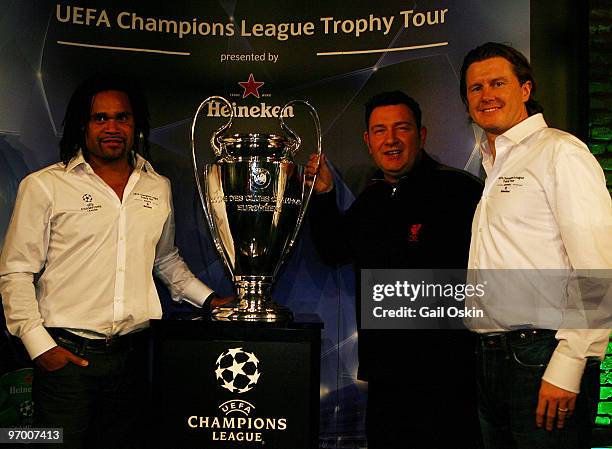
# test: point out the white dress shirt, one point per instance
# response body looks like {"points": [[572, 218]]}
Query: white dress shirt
{"points": [[79, 258], [545, 206]]}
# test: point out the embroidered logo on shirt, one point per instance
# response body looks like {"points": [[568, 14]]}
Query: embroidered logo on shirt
{"points": [[415, 231], [89, 203], [148, 201], [508, 183]]}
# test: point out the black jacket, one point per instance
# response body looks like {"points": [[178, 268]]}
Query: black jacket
{"points": [[423, 221]]}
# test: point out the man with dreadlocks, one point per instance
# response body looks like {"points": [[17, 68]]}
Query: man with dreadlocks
{"points": [[76, 269]]}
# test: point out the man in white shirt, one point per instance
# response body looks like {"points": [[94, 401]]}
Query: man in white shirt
{"points": [[545, 206], [76, 268]]}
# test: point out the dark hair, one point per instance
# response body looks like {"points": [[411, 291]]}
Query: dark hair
{"points": [[389, 99], [79, 109], [519, 63]]}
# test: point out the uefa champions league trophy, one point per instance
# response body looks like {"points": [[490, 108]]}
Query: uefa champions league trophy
{"points": [[254, 197]]}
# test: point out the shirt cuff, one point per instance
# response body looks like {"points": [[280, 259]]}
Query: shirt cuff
{"points": [[37, 341], [564, 372], [208, 301], [196, 292]]}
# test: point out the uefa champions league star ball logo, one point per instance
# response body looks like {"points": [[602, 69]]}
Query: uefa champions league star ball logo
{"points": [[260, 178], [26, 409], [237, 370]]}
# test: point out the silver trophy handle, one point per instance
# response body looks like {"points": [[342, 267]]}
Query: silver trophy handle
{"points": [[216, 137], [215, 143], [310, 184], [294, 136]]}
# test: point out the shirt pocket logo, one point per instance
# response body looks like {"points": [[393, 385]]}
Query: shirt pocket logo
{"points": [[89, 203], [147, 201], [414, 235], [509, 184]]}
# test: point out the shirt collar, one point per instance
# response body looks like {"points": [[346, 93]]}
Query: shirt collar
{"points": [[524, 129], [513, 136], [141, 163], [76, 161], [423, 164], [485, 152]]}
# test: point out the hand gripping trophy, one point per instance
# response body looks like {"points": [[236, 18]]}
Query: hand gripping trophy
{"points": [[254, 198]]}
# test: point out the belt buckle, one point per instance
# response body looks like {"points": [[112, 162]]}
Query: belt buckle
{"points": [[67, 341], [110, 340], [495, 340]]}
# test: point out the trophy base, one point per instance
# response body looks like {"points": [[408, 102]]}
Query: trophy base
{"points": [[260, 311]]}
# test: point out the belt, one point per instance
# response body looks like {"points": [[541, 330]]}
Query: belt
{"points": [[503, 339], [108, 344]]}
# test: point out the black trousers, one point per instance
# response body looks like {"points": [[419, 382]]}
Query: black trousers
{"points": [[103, 405], [421, 389], [421, 416]]}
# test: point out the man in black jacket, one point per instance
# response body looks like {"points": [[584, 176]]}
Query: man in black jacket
{"points": [[416, 213]]}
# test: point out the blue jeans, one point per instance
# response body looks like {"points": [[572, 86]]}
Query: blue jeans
{"points": [[509, 374]]}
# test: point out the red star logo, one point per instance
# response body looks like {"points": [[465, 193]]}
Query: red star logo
{"points": [[251, 87]]}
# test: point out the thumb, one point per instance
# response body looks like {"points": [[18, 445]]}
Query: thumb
{"points": [[76, 359]]}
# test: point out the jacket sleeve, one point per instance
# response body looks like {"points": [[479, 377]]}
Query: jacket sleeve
{"points": [[330, 229], [454, 227]]}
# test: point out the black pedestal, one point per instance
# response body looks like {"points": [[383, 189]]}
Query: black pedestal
{"points": [[236, 385]]}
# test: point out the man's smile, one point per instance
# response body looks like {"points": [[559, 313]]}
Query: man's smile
{"points": [[392, 152]]}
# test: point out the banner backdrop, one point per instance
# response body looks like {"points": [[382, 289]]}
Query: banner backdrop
{"points": [[258, 55]]}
